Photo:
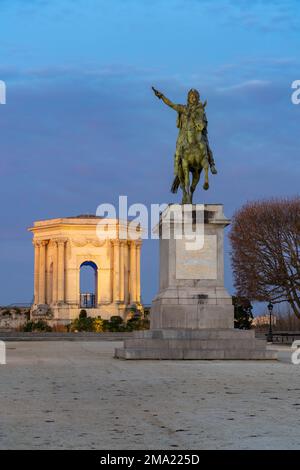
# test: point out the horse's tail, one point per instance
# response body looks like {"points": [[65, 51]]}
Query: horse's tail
{"points": [[175, 185]]}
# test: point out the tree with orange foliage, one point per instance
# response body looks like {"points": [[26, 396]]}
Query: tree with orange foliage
{"points": [[265, 241]]}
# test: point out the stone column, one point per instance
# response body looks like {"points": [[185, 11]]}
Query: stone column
{"points": [[106, 275], [116, 274], [61, 270], [54, 282], [126, 275], [49, 279], [133, 266], [122, 277], [111, 272], [42, 272], [138, 271], [36, 245]]}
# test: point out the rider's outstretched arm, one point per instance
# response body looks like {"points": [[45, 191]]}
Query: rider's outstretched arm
{"points": [[177, 107]]}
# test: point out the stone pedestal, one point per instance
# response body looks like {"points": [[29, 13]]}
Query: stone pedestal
{"points": [[191, 291], [192, 317]]}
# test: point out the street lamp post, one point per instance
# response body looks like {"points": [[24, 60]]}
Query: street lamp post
{"points": [[270, 333]]}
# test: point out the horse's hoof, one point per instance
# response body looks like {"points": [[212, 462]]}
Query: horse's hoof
{"points": [[213, 170], [206, 186]]}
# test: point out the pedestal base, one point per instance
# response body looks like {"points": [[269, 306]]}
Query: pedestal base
{"points": [[192, 317], [192, 308], [212, 344]]}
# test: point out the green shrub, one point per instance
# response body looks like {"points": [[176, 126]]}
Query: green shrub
{"points": [[83, 313], [137, 323], [116, 320], [115, 324], [82, 323], [243, 316], [105, 325], [85, 323], [39, 325], [98, 325]]}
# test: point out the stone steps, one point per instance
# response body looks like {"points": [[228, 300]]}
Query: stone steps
{"points": [[195, 344], [169, 333], [200, 354]]}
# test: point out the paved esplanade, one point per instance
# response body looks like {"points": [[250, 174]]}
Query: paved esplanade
{"points": [[66, 395]]}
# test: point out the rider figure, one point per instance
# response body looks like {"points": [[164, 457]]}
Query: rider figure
{"points": [[190, 116]]}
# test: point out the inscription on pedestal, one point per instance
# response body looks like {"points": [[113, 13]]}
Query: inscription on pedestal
{"points": [[197, 264]]}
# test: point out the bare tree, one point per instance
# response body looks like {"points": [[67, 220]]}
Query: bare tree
{"points": [[265, 240]]}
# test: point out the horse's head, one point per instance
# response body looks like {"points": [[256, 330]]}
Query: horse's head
{"points": [[199, 126]]}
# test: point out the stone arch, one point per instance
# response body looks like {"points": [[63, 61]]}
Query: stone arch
{"points": [[89, 299]]}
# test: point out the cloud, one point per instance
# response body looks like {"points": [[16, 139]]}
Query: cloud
{"points": [[71, 71], [247, 86], [260, 15]]}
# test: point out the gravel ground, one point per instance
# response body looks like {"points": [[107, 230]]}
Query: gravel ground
{"points": [[74, 395]]}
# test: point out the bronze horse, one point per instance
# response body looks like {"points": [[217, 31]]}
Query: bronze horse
{"points": [[194, 159], [193, 153]]}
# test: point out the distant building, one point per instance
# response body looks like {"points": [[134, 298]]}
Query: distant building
{"points": [[63, 246], [263, 320]]}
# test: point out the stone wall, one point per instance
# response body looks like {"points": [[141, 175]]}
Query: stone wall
{"points": [[13, 318]]}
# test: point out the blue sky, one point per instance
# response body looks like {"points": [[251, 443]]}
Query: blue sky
{"points": [[81, 126]]}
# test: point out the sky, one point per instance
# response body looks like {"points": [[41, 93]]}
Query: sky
{"points": [[81, 126]]}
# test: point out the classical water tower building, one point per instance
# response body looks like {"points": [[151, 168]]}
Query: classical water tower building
{"points": [[62, 247]]}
